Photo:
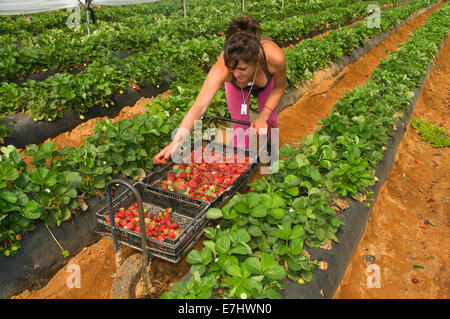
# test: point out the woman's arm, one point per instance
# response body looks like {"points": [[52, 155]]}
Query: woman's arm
{"points": [[215, 78], [277, 67]]}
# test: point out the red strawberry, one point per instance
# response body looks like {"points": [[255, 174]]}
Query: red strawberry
{"points": [[120, 215], [193, 184], [131, 226], [183, 175], [180, 186], [161, 238], [171, 235], [171, 176], [227, 182], [138, 88], [323, 265], [38, 71], [415, 280]]}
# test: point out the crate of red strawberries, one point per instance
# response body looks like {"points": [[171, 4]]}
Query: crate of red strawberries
{"points": [[171, 227], [210, 178]]}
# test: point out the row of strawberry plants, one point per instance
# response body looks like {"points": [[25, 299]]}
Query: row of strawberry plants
{"points": [[34, 23], [48, 99], [96, 179], [40, 22], [314, 53], [261, 237], [28, 53], [37, 23], [297, 27], [261, 10]]}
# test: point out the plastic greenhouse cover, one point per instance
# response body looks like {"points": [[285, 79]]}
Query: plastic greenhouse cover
{"points": [[11, 7]]}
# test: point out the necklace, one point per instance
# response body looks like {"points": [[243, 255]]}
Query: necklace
{"points": [[244, 105]]}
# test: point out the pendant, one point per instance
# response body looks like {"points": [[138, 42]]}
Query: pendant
{"points": [[243, 109]]}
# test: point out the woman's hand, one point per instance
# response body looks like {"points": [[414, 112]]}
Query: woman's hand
{"points": [[260, 125], [165, 154]]}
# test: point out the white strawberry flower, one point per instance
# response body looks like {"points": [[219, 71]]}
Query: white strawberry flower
{"points": [[243, 295], [48, 190], [291, 210]]}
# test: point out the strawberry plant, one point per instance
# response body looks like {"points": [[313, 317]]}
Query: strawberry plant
{"points": [[5, 131], [55, 188], [238, 257], [434, 134], [126, 145], [12, 98], [17, 211], [95, 171]]}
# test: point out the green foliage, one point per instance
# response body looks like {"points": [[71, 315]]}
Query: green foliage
{"points": [[436, 135]]}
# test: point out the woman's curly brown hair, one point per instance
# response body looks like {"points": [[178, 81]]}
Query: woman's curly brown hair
{"points": [[242, 41]]}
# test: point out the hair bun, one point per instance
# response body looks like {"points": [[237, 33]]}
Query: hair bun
{"points": [[244, 24]]}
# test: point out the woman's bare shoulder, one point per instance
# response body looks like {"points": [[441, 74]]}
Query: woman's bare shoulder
{"points": [[274, 54], [219, 68]]}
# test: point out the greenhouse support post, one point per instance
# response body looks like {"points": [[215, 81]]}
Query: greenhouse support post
{"points": [[87, 20], [86, 6]]}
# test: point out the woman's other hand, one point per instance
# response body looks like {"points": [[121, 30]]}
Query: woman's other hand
{"points": [[260, 125]]}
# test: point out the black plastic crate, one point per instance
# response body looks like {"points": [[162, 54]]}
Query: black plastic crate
{"points": [[153, 180], [191, 217]]}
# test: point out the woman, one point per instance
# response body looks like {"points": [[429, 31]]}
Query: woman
{"points": [[249, 64]]}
